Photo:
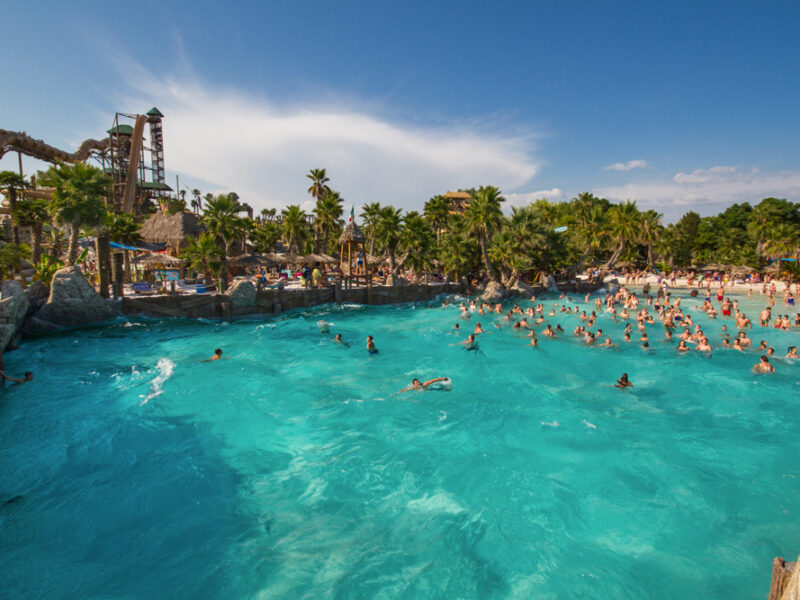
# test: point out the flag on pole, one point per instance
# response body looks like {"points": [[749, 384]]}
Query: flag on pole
{"points": [[352, 212]]}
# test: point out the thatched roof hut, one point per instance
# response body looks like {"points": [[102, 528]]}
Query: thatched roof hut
{"points": [[171, 229], [352, 233], [156, 260]]}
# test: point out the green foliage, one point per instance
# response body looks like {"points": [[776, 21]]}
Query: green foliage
{"points": [[294, 227], [46, 267], [204, 255], [11, 257]]}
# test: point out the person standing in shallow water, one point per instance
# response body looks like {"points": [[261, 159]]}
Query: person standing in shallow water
{"points": [[371, 345]]}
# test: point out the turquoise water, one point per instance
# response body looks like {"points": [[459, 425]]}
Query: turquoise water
{"points": [[294, 470]]}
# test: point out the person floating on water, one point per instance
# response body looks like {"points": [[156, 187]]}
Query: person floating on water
{"points": [[28, 376], [419, 386], [623, 382], [371, 345], [338, 339], [470, 343]]}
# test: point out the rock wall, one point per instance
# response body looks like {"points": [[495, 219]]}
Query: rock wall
{"points": [[13, 311], [72, 303]]}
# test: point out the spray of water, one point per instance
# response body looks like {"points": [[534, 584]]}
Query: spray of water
{"points": [[165, 367]]}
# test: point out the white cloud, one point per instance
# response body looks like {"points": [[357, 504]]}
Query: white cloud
{"points": [[627, 166], [243, 143], [707, 191], [524, 199]]}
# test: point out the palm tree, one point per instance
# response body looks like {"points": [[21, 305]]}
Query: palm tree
{"points": [[416, 242], [265, 236], [328, 214], [319, 183], [204, 255], [268, 214], [78, 192], [221, 219], [12, 182], [483, 218], [387, 234], [625, 222], [782, 240], [197, 202], [370, 215], [458, 252], [762, 219], [650, 232], [124, 228], [294, 227], [32, 213], [436, 212]]}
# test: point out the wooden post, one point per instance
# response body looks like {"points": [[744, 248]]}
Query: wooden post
{"points": [[781, 574]]}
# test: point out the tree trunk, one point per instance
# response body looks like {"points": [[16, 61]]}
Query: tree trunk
{"points": [[126, 258], [103, 250], [487, 264], [12, 205], [36, 243], [615, 255], [650, 262], [72, 247]]}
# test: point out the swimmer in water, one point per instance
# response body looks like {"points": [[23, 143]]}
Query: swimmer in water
{"points": [[324, 326], [623, 382], [763, 366], [469, 343], [217, 355], [338, 339], [28, 376], [417, 385], [371, 345]]}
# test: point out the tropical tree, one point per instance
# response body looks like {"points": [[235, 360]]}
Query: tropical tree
{"points": [[294, 227], [625, 225], [221, 220], [11, 257], [483, 218], [204, 255], [437, 211], [32, 213], [124, 228], [328, 219], [650, 232], [416, 242], [319, 183], [370, 215], [197, 201], [268, 214], [12, 182], [458, 252], [387, 234], [265, 236], [78, 192]]}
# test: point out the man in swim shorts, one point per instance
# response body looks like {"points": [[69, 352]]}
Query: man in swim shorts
{"points": [[419, 386]]}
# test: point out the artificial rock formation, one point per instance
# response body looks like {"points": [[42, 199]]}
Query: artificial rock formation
{"points": [[72, 303], [494, 292], [242, 294], [13, 310]]}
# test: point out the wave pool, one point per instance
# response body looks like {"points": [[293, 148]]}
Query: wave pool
{"points": [[294, 469]]}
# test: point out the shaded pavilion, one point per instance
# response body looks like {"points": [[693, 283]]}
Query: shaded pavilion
{"points": [[351, 242]]}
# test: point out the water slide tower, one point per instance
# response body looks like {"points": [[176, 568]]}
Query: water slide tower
{"points": [[154, 117]]}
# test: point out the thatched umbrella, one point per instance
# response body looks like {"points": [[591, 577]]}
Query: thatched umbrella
{"points": [[742, 270], [714, 267], [320, 258], [154, 260], [252, 260], [352, 236], [171, 229], [286, 258]]}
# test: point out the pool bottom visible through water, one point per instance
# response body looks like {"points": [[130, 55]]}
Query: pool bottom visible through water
{"points": [[295, 469]]}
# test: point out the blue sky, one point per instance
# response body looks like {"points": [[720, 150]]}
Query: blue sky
{"points": [[679, 105]]}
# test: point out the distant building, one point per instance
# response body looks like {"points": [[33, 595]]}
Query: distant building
{"points": [[459, 202]]}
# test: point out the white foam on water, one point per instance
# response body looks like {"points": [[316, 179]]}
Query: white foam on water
{"points": [[589, 425], [551, 424], [441, 502], [165, 369]]}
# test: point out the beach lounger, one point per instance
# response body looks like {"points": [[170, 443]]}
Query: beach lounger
{"points": [[143, 288]]}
